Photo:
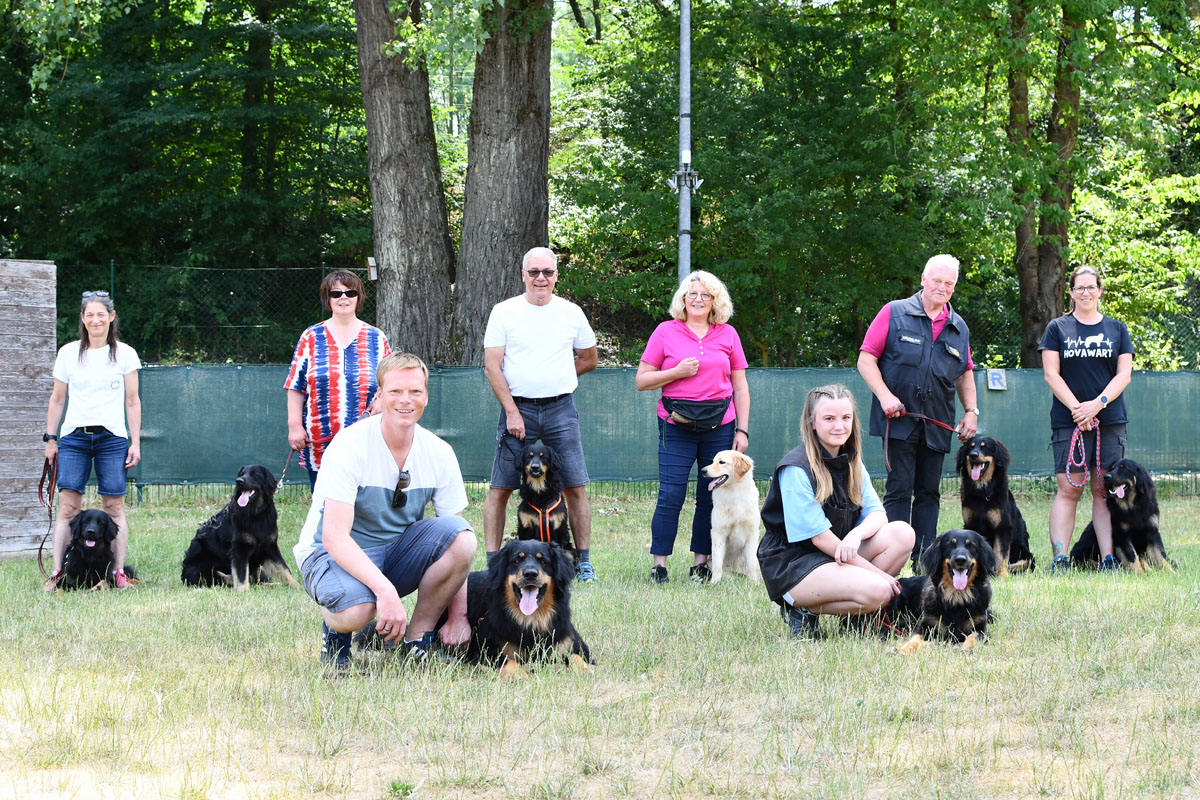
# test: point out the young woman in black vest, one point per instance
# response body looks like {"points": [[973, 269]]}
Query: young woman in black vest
{"points": [[829, 548]]}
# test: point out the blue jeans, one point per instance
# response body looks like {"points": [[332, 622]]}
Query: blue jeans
{"points": [[678, 450], [78, 451]]}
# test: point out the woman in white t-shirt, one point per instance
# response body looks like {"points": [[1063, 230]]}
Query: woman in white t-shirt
{"points": [[98, 375]]}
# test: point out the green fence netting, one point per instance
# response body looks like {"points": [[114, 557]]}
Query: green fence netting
{"points": [[202, 422]]}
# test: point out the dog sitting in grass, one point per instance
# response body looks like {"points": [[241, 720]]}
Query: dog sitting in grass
{"points": [[734, 515], [88, 560]]}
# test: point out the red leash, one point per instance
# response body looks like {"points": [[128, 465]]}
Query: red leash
{"points": [[1077, 438], [904, 413]]}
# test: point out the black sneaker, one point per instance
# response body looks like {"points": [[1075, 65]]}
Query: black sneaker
{"points": [[700, 573], [659, 574], [335, 650], [369, 638], [802, 623], [421, 651]]}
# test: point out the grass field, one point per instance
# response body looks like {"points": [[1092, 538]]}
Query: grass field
{"points": [[1087, 688]]}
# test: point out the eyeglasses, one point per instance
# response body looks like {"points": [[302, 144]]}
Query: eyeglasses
{"points": [[1086, 289], [399, 498], [100, 293], [336, 293], [699, 296], [533, 273]]}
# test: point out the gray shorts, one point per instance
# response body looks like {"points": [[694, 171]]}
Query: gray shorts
{"points": [[402, 561], [556, 424], [1112, 447]]}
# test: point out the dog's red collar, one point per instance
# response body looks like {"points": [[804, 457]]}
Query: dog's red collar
{"points": [[544, 519]]}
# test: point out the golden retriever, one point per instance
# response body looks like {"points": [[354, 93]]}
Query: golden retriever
{"points": [[734, 515]]}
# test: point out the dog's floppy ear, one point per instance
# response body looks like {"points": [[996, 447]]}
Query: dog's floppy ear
{"points": [[931, 559], [960, 460], [496, 568], [562, 567], [987, 556], [1002, 455], [76, 524], [741, 465], [555, 459], [269, 477], [110, 529]]}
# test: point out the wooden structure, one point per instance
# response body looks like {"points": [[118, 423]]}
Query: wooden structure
{"points": [[27, 350]]}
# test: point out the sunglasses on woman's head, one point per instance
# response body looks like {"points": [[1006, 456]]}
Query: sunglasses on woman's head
{"points": [[399, 498], [100, 293], [336, 293]]}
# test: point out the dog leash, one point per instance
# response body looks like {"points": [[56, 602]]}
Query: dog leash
{"points": [[46, 498], [283, 474], [544, 519], [905, 413], [1077, 438]]}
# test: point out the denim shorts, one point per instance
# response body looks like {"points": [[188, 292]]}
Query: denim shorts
{"points": [[403, 561], [556, 424], [1112, 447], [79, 451]]}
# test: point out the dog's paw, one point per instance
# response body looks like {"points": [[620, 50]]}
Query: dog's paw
{"points": [[512, 669], [972, 641], [578, 664], [913, 645]]}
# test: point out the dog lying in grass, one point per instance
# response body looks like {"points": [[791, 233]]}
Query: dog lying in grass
{"points": [[520, 609], [957, 593]]}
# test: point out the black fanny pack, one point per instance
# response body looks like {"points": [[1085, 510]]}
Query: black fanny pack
{"points": [[696, 415]]}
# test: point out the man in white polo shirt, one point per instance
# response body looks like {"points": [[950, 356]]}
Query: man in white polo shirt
{"points": [[366, 542], [535, 348]]}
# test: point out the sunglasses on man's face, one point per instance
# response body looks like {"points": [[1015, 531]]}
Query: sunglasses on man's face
{"points": [[100, 293], [336, 293], [533, 273], [399, 498]]}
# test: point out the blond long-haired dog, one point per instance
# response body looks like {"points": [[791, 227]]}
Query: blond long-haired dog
{"points": [[734, 515]]}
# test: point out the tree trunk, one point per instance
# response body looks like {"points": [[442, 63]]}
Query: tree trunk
{"points": [[413, 250], [506, 204], [1042, 264], [1020, 134]]}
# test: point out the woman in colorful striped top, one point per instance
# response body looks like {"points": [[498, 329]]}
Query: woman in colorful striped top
{"points": [[331, 383]]}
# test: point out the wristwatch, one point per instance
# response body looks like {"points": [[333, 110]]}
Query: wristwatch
{"points": [[974, 411], [49, 437], [1104, 401]]}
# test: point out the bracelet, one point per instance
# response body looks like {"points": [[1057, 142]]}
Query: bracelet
{"points": [[742, 431]]}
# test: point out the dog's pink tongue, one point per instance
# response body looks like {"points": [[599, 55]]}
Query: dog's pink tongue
{"points": [[244, 497], [1120, 491], [88, 543], [528, 601], [960, 579], [976, 471], [713, 484]]}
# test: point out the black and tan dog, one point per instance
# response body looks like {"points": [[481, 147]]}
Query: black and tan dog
{"points": [[542, 513], [240, 543], [988, 505], [1133, 507], [520, 609], [88, 559], [956, 595]]}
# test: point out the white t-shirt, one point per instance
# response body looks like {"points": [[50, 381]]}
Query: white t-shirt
{"points": [[539, 344], [95, 388], [358, 469]]}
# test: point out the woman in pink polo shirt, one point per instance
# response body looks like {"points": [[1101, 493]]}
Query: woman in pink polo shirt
{"points": [[696, 358]]}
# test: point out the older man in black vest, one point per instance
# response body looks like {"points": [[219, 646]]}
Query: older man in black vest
{"points": [[915, 355]]}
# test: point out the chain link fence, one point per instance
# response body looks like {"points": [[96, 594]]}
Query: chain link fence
{"points": [[218, 315]]}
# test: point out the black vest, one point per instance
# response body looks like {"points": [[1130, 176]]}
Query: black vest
{"points": [[780, 560], [920, 371]]}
